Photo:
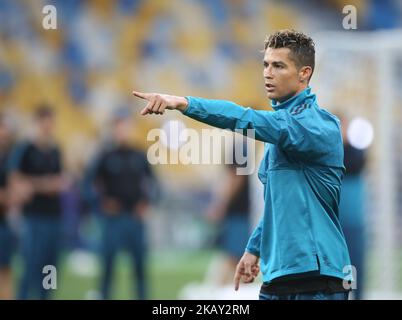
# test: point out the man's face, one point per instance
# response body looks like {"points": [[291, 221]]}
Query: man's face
{"points": [[4, 134], [281, 76], [46, 126], [122, 131]]}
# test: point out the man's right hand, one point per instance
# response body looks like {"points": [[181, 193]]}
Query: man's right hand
{"points": [[141, 209], [157, 102], [247, 269], [21, 191]]}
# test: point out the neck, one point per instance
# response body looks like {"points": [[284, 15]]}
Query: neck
{"points": [[123, 144], [280, 100], [298, 97]]}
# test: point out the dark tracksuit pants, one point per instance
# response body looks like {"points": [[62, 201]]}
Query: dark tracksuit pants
{"points": [[123, 231], [40, 246]]}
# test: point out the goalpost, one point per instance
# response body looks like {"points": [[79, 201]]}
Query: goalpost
{"points": [[360, 74]]}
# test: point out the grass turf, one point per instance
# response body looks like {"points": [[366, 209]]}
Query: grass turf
{"points": [[168, 272]]}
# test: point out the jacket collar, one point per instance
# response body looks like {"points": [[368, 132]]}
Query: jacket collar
{"points": [[295, 100]]}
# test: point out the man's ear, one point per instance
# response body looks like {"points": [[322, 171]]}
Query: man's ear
{"points": [[305, 73]]}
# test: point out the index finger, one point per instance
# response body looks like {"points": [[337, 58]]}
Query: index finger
{"points": [[142, 95], [237, 280]]}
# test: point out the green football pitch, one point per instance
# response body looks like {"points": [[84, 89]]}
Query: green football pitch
{"points": [[168, 272]]}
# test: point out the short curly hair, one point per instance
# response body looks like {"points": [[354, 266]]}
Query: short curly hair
{"points": [[301, 46]]}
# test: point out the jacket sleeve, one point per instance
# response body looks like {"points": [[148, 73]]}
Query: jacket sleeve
{"points": [[299, 133], [254, 242]]}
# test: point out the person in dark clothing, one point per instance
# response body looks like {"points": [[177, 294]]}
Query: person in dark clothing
{"points": [[6, 234], [351, 207], [36, 177], [123, 179], [231, 212]]}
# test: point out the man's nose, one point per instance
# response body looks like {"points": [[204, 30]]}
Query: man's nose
{"points": [[268, 76], [267, 73]]}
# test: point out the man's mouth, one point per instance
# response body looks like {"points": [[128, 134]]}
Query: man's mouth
{"points": [[269, 87]]}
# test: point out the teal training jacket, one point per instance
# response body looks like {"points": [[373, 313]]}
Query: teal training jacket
{"points": [[302, 173]]}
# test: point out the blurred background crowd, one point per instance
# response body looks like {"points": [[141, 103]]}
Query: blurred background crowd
{"points": [[76, 187]]}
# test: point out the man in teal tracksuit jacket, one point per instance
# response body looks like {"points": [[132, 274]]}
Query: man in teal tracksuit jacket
{"points": [[298, 242]]}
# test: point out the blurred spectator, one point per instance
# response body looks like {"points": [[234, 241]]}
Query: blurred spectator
{"points": [[231, 211], [6, 234], [123, 178], [36, 183], [351, 208]]}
